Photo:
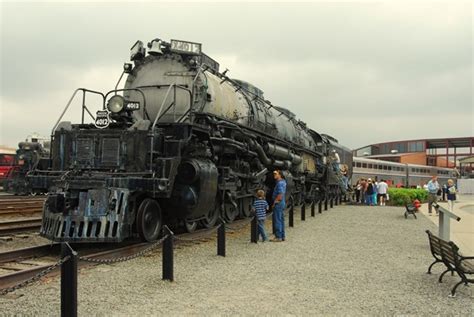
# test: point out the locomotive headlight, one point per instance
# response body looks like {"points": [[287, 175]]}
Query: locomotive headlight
{"points": [[115, 104]]}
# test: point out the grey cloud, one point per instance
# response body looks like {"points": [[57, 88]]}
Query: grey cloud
{"points": [[336, 65]]}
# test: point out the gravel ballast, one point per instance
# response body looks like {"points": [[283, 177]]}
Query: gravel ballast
{"points": [[350, 260]]}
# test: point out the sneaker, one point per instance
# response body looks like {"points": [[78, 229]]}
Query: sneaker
{"points": [[276, 240]]}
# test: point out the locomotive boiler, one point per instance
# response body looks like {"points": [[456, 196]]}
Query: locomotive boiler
{"points": [[181, 143]]}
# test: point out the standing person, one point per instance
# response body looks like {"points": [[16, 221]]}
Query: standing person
{"points": [[445, 191], [336, 160], [369, 192], [279, 205], [451, 193], [260, 206], [375, 201], [358, 188], [345, 178], [382, 188], [363, 188], [433, 188]]}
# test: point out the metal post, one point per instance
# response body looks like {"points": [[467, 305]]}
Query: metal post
{"points": [[168, 255], [336, 201], [331, 202], [303, 211], [313, 206], [325, 203], [444, 221], [68, 282], [320, 206], [290, 215], [221, 238], [253, 230], [340, 200]]}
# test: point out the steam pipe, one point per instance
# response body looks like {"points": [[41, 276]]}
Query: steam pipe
{"points": [[261, 154]]}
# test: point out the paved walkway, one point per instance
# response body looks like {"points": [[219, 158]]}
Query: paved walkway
{"points": [[462, 232], [349, 260]]}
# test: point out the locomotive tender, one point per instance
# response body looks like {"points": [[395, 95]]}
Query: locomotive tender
{"points": [[181, 143]]}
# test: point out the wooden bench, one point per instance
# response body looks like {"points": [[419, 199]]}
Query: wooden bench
{"points": [[448, 253], [435, 248]]}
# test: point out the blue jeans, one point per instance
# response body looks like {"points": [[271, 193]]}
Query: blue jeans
{"points": [[261, 230], [370, 199], [279, 212]]}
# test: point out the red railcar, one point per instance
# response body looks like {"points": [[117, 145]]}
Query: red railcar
{"points": [[7, 164]]}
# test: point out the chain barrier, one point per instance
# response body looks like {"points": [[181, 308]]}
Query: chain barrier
{"points": [[35, 277], [125, 258], [237, 228], [204, 234]]}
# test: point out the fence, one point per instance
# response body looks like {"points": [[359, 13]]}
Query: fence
{"points": [[69, 259]]}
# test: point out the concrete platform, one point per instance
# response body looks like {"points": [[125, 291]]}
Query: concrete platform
{"points": [[462, 232]]}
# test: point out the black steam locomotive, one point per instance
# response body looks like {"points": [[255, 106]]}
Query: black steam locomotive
{"points": [[31, 156], [181, 144]]}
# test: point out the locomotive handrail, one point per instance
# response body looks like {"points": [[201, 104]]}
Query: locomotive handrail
{"points": [[128, 89], [84, 90], [159, 115]]}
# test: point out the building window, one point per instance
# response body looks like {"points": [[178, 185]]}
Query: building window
{"points": [[369, 166], [364, 165]]}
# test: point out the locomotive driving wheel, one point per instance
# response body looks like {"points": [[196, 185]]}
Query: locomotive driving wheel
{"points": [[149, 220], [212, 216]]}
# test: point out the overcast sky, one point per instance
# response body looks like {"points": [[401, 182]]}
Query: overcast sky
{"points": [[364, 72]]}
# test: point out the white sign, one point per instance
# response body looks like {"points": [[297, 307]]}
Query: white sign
{"points": [[185, 47], [102, 119]]}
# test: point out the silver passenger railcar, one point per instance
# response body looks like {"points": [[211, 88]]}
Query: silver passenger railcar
{"points": [[401, 174]]}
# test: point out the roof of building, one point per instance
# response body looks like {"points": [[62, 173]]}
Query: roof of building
{"points": [[435, 143], [467, 160]]}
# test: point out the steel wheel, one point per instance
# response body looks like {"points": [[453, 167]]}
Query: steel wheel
{"points": [[211, 217], [149, 220], [230, 212]]}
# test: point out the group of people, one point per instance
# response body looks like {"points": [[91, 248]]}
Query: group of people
{"points": [[261, 206], [434, 191], [370, 192]]}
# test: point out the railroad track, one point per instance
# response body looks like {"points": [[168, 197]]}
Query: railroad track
{"points": [[19, 225], [20, 214], [23, 264], [21, 206]]}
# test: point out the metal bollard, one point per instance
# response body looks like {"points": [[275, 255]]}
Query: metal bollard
{"points": [[336, 201], [290, 216], [340, 200], [320, 206], [168, 260], [313, 203], [325, 203], [221, 238], [68, 282], [253, 230], [331, 202], [303, 211]]}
